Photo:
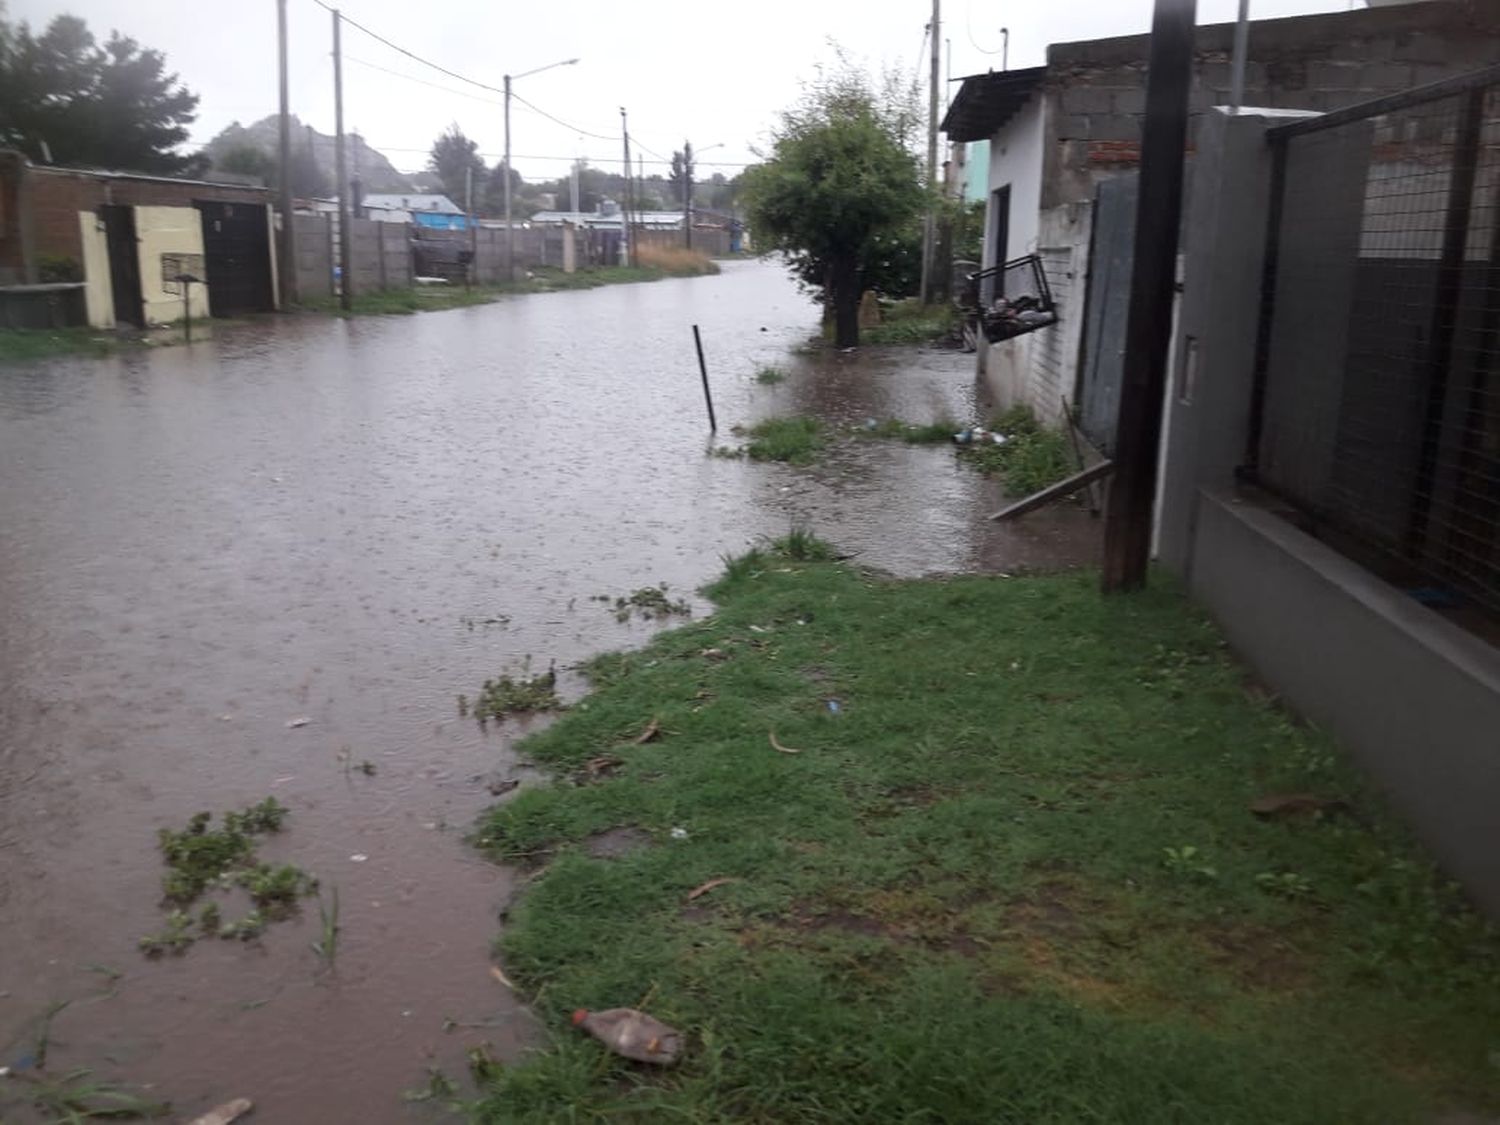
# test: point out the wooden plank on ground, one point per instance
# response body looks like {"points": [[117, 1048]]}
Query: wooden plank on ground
{"points": [[1057, 491]]}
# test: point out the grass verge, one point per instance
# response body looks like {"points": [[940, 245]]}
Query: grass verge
{"points": [[21, 344], [429, 298], [911, 322], [1013, 877]]}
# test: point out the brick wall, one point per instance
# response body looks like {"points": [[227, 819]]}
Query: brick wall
{"points": [[58, 194]]}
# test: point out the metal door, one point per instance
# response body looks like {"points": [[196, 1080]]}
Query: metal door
{"points": [[236, 257], [1106, 309]]}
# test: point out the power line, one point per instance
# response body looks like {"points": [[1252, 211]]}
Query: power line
{"points": [[969, 27], [424, 82], [659, 158], [559, 120], [592, 159], [409, 54]]}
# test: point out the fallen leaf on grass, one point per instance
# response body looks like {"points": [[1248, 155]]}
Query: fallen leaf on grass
{"points": [[714, 654], [778, 746], [501, 977], [1294, 804], [698, 892], [650, 734]]}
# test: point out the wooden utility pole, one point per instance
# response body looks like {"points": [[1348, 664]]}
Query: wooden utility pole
{"points": [[469, 220], [286, 247], [628, 243], [929, 224], [687, 194], [346, 276], [1153, 283], [510, 231]]}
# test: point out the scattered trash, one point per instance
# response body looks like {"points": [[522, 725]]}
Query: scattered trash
{"points": [[678, 833], [700, 891], [1278, 805], [834, 706], [358, 857], [632, 1034], [978, 435], [714, 654], [293, 724], [775, 745], [759, 629], [650, 734], [501, 977], [224, 1114]]}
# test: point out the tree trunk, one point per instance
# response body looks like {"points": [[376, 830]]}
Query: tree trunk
{"points": [[846, 303]]}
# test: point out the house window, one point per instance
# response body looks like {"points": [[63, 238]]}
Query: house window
{"points": [[999, 225]]}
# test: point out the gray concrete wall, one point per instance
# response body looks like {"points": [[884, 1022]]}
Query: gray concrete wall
{"points": [[1413, 697]]}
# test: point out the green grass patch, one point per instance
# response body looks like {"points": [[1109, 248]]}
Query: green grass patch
{"points": [[797, 440], [1013, 878], [911, 322], [429, 298], [1031, 458], [20, 344], [770, 376]]}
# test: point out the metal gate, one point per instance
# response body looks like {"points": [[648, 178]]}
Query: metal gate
{"points": [[236, 257], [1106, 308], [1376, 407]]}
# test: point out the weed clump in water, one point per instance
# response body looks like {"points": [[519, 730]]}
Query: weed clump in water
{"points": [[801, 545], [770, 376], [517, 695], [201, 858], [650, 603]]}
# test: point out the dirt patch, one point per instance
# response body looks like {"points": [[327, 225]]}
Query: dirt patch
{"points": [[1257, 957], [614, 843]]}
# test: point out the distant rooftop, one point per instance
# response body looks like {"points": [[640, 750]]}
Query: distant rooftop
{"points": [[412, 202]]}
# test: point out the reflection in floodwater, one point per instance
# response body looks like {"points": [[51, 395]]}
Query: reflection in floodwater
{"points": [[355, 521]]}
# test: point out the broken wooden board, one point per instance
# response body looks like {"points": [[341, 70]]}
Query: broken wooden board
{"points": [[1057, 491]]}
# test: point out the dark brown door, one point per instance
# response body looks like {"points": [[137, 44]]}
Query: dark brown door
{"points": [[124, 264]]}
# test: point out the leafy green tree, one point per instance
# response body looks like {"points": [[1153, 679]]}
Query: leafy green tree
{"points": [[115, 106], [248, 160], [839, 190], [682, 168], [453, 156]]}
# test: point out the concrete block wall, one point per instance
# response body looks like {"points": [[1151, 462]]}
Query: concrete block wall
{"points": [[1095, 90], [313, 235]]}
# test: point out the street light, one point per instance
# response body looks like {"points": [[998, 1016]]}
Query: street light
{"points": [[687, 188], [510, 234]]}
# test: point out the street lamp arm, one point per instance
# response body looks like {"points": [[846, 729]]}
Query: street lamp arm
{"points": [[538, 70]]}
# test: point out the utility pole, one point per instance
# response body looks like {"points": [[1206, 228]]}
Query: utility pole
{"points": [[1153, 277], [346, 278], [574, 186], [628, 242], [286, 249], [510, 234], [929, 225], [687, 193], [469, 220]]}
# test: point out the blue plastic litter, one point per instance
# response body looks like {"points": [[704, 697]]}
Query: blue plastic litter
{"points": [[834, 706]]}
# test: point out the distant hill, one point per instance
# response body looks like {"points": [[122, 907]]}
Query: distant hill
{"points": [[375, 172]]}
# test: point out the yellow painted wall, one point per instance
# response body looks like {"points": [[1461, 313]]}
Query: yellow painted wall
{"points": [[98, 293], [169, 230]]}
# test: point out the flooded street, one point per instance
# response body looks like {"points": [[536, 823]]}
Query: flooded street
{"points": [[354, 522]]}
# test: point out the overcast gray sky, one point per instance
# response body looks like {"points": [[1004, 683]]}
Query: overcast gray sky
{"points": [[716, 74]]}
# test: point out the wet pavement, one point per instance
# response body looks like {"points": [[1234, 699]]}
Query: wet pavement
{"points": [[354, 522]]}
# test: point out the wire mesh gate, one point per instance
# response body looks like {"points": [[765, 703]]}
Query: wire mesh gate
{"points": [[1376, 408]]}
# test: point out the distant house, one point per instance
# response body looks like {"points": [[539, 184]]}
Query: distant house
{"points": [[434, 212], [107, 247], [1064, 147]]}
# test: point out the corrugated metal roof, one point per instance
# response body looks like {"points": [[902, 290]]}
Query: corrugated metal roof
{"points": [[985, 102], [413, 201]]}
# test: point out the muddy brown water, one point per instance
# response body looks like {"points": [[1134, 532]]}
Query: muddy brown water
{"points": [[353, 522]]}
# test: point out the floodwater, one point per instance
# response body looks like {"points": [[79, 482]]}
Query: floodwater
{"points": [[353, 522]]}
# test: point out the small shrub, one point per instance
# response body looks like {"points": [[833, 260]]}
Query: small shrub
{"points": [[794, 440], [676, 261], [913, 433], [54, 268], [802, 545], [770, 376]]}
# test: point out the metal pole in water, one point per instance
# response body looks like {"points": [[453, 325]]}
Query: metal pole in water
{"points": [[713, 425]]}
